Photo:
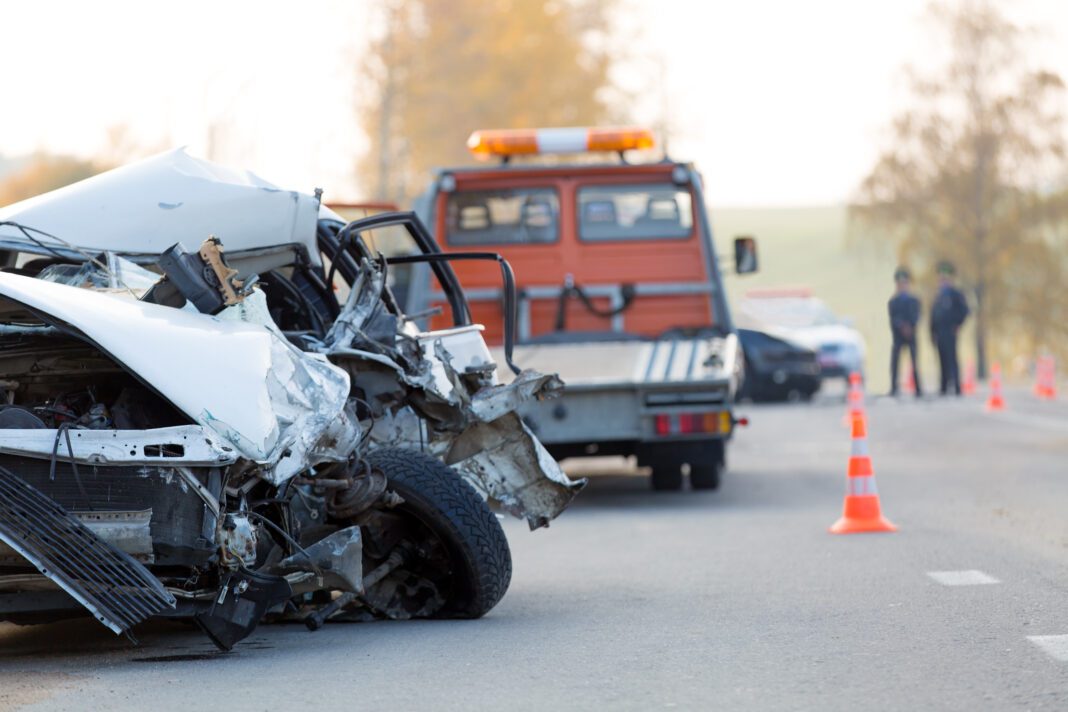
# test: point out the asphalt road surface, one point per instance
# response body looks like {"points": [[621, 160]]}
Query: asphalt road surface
{"points": [[736, 599]]}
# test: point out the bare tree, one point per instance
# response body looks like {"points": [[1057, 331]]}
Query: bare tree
{"points": [[966, 177], [439, 69], [43, 172]]}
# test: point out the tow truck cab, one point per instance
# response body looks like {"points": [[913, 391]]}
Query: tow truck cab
{"points": [[619, 291]]}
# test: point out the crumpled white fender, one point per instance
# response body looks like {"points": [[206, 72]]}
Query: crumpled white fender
{"points": [[233, 374]]}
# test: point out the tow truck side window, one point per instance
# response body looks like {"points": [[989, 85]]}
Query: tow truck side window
{"points": [[634, 212], [503, 217]]}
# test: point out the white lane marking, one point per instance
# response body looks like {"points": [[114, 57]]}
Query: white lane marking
{"points": [[1056, 646], [962, 578]]}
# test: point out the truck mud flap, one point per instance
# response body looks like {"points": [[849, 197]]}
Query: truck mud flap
{"points": [[116, 589]]}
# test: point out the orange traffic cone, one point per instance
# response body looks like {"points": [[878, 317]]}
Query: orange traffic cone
{"points": [[855, 399], [995, 401], [910, 383], [968, 388], [1051, 379], [1040, 376], [861, 511], [1045, 378]]}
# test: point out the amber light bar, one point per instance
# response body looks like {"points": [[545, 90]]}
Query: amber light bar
{"points": [[512, 142]]}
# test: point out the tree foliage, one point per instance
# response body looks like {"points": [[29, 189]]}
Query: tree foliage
{"points": [[44, 172], [442, 68], [969, 177]]}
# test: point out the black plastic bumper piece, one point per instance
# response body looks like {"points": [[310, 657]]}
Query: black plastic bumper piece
{"points": [[243, 599]]}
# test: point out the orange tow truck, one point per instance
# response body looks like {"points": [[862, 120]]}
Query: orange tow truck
{"points": [[619, 291]]}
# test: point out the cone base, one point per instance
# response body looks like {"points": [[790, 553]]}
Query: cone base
{"points": [[862, 513], [861, 526], [995, 405]]}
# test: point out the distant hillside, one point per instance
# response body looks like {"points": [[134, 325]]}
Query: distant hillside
{"points": [[808, 247]]}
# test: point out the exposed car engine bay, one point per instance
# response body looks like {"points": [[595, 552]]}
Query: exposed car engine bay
{"points": [[50, 380]]}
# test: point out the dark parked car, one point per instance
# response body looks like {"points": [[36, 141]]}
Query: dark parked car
{"points": [[776, 369]]}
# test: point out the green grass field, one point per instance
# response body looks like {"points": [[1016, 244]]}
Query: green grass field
{"points": [[809, 247]]}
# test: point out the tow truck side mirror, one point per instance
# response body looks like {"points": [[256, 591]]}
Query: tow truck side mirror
{"points": [[745, 255]]}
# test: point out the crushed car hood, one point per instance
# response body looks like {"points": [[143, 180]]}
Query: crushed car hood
{"points": [[241, 380], [145, 207]]}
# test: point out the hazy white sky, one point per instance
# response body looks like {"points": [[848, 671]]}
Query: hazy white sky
{"points": [[778, 101]]}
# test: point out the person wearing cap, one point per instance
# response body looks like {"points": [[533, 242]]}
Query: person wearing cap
{"points": [[948, 312], [904, 315]]}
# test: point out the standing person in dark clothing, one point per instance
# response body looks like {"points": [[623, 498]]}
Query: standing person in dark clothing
{"points": [[904, 315], [948, 312]]}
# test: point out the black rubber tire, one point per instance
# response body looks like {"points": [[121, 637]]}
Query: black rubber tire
{"points": [[707, 462], [667, 477], [450, 507], [705, 477]]}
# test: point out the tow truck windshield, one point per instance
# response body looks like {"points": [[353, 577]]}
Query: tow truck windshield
{"points": [[503, 217], [604, 213], [634, 212]]}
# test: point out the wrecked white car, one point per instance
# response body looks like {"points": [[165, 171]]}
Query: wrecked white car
{"points": [[190, 434]]}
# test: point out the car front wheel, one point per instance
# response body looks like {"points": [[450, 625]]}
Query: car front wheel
{"points": [[457, 565]]}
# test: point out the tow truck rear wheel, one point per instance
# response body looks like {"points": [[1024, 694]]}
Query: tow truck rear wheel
{"points": [[667, 477], [707, 466], [663, 459], [705, 477]]}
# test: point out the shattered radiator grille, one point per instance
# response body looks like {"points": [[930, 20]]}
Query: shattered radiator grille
{"points": [[117, 590], [178, 513]]}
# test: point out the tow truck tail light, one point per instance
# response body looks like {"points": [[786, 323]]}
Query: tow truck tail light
{"points": [[512, 142], [663, 424], [690, 424], [693, 423]]}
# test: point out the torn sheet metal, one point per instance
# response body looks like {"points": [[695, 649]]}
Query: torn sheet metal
{"points": [[472, 420], [145, 207], [337, 558], [491, 403], [309, 398], [503, 460], [363, 300], [455, 351], [507, 463]]}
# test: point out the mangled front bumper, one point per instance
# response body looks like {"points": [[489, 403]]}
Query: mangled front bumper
{"points": [[505, 460], [445, 399], [496, 452]]}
